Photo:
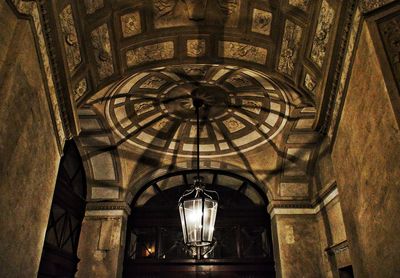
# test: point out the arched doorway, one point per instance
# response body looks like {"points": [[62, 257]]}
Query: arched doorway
{"points": [[59, 257], [243, 230]]}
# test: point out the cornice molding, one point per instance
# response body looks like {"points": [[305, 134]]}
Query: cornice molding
{"points": [[32, 9], [107, 207], [343, 49], [337, 248], [306, 209]]}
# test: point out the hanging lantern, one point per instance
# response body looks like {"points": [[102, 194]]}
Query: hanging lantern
{"points": [[198, 211], [198, 206]]}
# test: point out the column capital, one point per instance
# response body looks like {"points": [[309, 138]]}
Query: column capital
{"points": [[104, 209]]}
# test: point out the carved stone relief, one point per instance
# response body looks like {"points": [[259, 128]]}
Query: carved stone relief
{"points": [[143, 107], [196, 9], [196, 48], [241, 51], [93, 5], [310, 83], [131, 24], [70, 38], [163, 124], [153, 82], [322, 34], [290, 48], [150, 53], [239, 81], [390, 30], [173, 13], [229, 7], [301, 4], [80, 89], [369, 5], [233, 125], [252, 106], [195, 70], [102, 50], [262, 21]]}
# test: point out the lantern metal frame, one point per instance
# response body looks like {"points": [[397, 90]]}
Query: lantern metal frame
{"points": [[198, 194]]}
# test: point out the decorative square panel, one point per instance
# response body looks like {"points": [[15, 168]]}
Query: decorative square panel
{"points": [[196, 48], [262, 21], [131, 24], [322, 34], [70, 38], [102, 51], [80, 89], [242, 51], [290, 48], [150, 53], [310, 83]]}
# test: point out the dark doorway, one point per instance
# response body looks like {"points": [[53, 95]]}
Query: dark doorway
{"points": [[346, 272], [59, 257], [242, 232]]}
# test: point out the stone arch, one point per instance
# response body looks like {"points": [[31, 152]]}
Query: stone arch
{"points": [[139, 186]]}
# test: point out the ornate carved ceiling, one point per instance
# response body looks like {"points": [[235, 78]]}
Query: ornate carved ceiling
{"points": [[104, 40], [242, 109]]}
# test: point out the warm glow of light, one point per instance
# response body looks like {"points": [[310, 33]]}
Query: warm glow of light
{"points": [[194, 216]]}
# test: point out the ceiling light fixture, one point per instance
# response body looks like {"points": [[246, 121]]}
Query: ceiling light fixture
{"points": [[198, 206]]}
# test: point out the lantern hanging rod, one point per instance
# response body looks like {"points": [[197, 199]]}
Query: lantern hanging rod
{"points": [[197, 103]]}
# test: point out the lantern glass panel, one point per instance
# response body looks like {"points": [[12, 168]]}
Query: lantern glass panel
{"points": [[210, 213], [183, 223]]}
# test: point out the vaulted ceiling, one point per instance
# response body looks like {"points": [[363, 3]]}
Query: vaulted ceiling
{"points": [[132, 66], [104, 40]]}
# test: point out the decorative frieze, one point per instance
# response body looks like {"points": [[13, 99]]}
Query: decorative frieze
{"points": [[102, 50], [322, 34], [150, 53], [131, 24], [70, 38], [242, 51], [290, 48], [262, 21]]}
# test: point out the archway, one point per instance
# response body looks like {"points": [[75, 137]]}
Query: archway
{"points": [[243, 231], [59, 257]]}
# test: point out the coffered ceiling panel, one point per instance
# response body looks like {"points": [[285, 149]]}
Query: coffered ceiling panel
{"points": [[105, 40]]}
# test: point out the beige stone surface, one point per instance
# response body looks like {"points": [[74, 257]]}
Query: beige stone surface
{"points": [[365, 157], [297, 241], [101, 246], [29, 155]]}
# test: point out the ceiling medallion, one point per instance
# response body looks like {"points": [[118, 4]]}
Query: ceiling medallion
{"points": [[154, 110]]}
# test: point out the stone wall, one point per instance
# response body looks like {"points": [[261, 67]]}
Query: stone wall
{"points": [[296, 246], [29, 155], [366, 161]]}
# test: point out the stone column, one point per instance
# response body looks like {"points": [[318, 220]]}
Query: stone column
{"points": [[102, 240], [296, 243]]}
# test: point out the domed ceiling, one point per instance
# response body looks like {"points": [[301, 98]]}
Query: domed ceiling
{"points": [[242, 110]]}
